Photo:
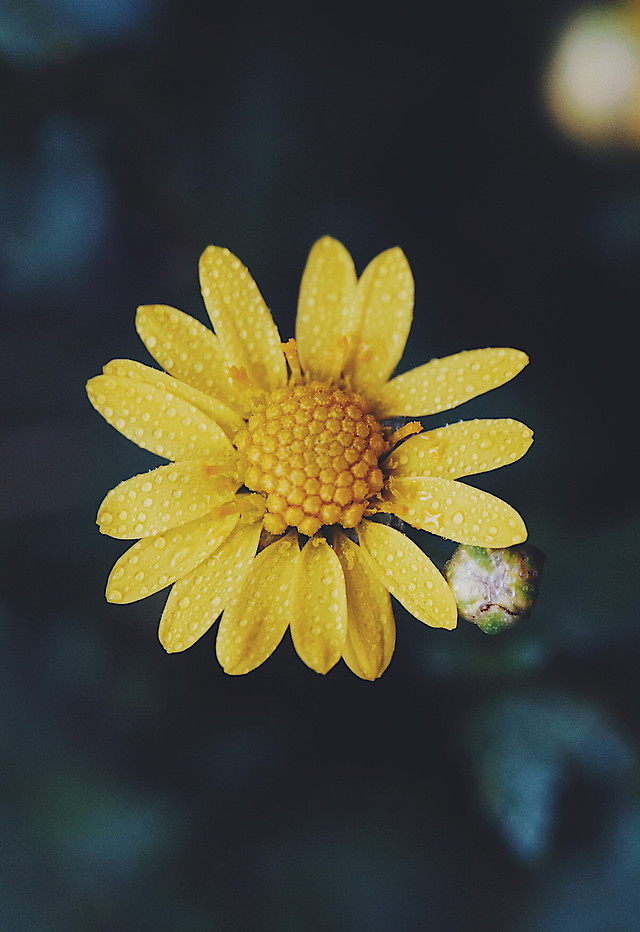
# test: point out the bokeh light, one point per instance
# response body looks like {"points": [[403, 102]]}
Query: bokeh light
{"points": [[593, 79]]}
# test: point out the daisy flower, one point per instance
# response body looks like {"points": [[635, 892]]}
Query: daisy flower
{"points": [[277, 504]]}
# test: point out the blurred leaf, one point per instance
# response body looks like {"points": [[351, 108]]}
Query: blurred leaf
{"points": [[37, 31], [62, 187], [523, 746], [596, 890]]}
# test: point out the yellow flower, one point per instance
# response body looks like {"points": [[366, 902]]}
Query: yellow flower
{"points": [[280, 458]]}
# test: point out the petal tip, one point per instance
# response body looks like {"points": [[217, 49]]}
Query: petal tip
{"points": [[170, 646], [143, 313], [397, 253], [113, 595], [211, 253], [327, 242], [452, 623], [322, 666], [234, 669], [94, 394]]}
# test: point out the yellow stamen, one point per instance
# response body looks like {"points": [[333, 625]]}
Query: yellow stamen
{"points": [[252, 507], [407, 430], [213, 470], [225, 510], [377, 507], [342, 347], [239, 374], [226, 479], [290, 350]]}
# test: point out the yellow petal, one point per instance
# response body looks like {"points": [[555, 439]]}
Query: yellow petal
{"points": [[461, 449], [166, 497], [386, 292], [455, 511], [196, 600], [329, 310], [158, 420], [156, 562], [445, 383], [408, 574], [190, 352], [241, 318], [258, 614], [230, 421], [371, 629], [319, 612]]}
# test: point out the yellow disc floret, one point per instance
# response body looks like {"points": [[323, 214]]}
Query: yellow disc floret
{"points": [[313, 451]]}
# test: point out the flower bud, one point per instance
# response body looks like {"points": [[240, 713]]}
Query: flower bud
{"points": [[494, 588]]}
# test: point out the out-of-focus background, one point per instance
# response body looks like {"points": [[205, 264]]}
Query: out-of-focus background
{"points": [[484, 783]]}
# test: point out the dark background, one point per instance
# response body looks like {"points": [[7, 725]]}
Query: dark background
{"points": [[483, 783]]}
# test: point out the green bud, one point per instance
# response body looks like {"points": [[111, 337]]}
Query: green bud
{"points": [[494, 588]]}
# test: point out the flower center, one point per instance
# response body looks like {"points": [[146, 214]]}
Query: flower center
{"points": [[313, 451]]}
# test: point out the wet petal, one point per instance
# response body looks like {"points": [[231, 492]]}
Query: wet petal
{"points": [[408, 574], [461, 449], [329, 310], [240, 318], [258, 615], [445, 383], [166, 497], [230, 421], [156, 562], [190, 352], [455, 511], [386, 292], [196, 600], [319, 614], [371, 629], [137, 410]]}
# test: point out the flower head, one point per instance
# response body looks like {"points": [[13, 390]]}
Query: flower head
{"points": [[274, 508]]}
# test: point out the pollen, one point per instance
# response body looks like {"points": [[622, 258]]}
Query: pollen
{"points": [[312, 450]]}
